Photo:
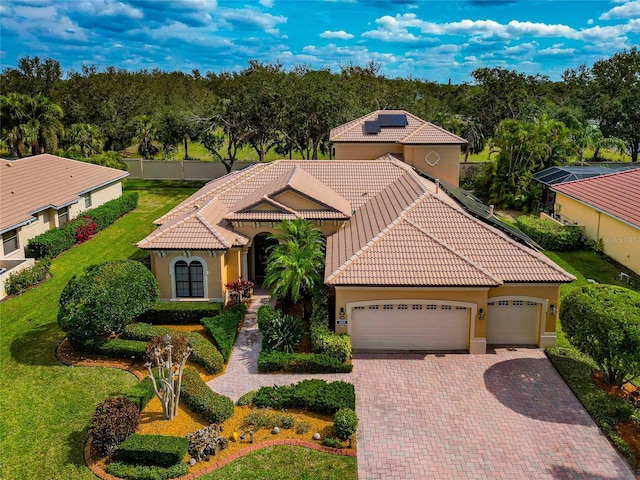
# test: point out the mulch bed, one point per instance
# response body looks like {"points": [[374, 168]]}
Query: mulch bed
{"points": [[628, 431]]}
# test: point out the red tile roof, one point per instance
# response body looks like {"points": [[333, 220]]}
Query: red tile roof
{"points": [[617, 194], [32, 184], [416, 132]]}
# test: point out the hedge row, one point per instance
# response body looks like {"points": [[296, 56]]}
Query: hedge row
{"points": [[204, 353], [179, 313], [550, 235], [18, 283], [141, 393], [300, 363], [145, 472], [314, 395], [116, 348], [196, 395], [53, 242], [323, 340], [159, 450], [223, 328]]}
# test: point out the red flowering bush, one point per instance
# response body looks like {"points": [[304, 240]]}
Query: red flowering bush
{"points": [[87, 230]]}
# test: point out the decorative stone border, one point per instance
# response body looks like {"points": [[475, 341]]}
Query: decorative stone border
{"points": [[101, 473]]}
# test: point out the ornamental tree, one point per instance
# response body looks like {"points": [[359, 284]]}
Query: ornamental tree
{"points": [[105, 298], [603, 321], [168, 356]]}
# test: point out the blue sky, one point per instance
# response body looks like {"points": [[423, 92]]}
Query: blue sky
{"points": [[430, 40]]}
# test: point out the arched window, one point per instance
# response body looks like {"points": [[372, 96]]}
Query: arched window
{"points": [[189, 279]]}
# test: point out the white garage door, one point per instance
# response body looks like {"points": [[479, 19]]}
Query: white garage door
{"points": [[410, 326], [513, 322]]}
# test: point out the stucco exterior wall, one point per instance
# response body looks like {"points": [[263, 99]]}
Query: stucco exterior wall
{"points": [[48, 218], [364, 151], [620, 240], [162, 268], [438, 161]]}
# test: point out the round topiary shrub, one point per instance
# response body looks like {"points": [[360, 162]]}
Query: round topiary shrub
{"points": [[603, 321], [345, 423], [105, 298], [113, 421]]}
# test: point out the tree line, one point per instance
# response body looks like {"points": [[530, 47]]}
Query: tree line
{"points": [[529, 120]]}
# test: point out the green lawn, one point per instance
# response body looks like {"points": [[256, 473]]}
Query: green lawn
{"points": [[46, 406], [610, 155]]}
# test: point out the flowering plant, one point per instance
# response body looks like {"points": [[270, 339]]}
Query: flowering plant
{"points": [[239, 286], [87, 230]]}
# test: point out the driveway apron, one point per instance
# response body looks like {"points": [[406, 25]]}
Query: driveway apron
{"points": [[504, 415]]}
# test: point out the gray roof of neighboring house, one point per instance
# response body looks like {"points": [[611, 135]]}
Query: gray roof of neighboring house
{"points": [[555, 175]]}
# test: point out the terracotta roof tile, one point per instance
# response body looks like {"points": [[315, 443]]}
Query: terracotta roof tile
{"points": [[417, 131], [617, 194], [32, 184]]}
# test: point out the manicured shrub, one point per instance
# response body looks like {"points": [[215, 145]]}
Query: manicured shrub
{"points": [[179, 313], [141, 393], [246, 399], [145, 472], [332, 442], [105, 298], [211, 406], [324, 340], [262, 418], [223, 328], [53, 242], [603, 321], [119, 348], [160, 450], [114, 419], [314, 395], [266, 314], [302, 427], [345, 423], [300, 363], [550, 235], [85, 230], [18, 283], [204, 353]]}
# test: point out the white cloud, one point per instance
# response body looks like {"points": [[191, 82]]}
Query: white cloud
{"points": [[266, 3], [555, 50], [340, 34], [251, 16], [109, 9], [626, 10]]}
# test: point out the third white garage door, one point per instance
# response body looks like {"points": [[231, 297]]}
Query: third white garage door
{"points": [[513, 322], [410, 326]]}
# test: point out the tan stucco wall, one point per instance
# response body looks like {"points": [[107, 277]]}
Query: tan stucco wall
{"points": [[364, 151], [548, 293], [251, 229], [447, 156], [48, 219], [161, 268], [620, 240]]}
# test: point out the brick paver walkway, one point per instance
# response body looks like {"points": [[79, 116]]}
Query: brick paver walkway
{"points": [[504, 415], [242, 374]]}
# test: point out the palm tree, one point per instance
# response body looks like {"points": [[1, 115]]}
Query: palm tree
{"points": [[14, 119], [296, 263], [45, 120], [87, 138], [145, 134]]}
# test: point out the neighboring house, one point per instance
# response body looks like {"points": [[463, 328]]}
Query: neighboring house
{"points": [[45, 191], [430, 149], [407, 266], [608, 207]]}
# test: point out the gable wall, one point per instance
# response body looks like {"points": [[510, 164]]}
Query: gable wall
{"points": [[364, 151], [297, 202], [447, 156]]}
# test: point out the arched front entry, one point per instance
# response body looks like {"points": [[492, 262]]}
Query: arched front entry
{"points": [[259, 255]]}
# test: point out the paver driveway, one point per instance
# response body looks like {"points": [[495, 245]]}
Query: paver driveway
{"points": [[505, 415], [456, 416]]}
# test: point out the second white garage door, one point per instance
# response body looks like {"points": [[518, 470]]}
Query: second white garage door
{"points": [[410, 326], [513, 322]]}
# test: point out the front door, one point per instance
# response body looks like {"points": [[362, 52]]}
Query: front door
{"points": [[261, 243]]}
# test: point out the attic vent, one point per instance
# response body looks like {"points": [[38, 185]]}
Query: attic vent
{"points": [[373, 127]]}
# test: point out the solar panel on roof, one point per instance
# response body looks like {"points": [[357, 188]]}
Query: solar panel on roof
{"points": [[392, 120], [371, 127]]}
